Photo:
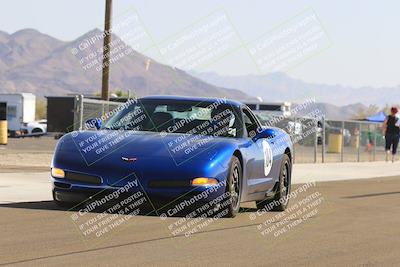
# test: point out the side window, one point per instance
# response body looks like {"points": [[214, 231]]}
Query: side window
{"points": [[250, 123], [12, 111]]}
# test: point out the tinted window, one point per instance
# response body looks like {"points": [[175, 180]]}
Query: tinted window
{"points": [[249, 122], [171, 116]]}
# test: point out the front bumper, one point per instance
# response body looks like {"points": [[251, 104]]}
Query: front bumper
{"points": [[77, 193]]}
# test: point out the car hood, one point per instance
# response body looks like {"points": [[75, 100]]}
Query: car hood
{"points": [[95, 145], [115, 154]]}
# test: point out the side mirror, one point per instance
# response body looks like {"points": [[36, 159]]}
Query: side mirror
{"points": [[93, 124], [265, 133]]}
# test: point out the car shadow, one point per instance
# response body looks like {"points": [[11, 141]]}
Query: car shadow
{"points": [[34, 205], [51, 206], [373, 195]]}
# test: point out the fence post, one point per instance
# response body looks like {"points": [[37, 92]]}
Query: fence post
{"points": [[374, 153], [342, 145], [359, 142], [294, 144], [80, 101], [78, 113], [315, 140], [323, 139]]}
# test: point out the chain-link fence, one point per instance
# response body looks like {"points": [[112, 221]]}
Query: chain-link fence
{"points": [[87, 109], [320, 140]]}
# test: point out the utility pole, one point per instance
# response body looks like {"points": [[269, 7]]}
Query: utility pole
{"points": [[105, 94]]}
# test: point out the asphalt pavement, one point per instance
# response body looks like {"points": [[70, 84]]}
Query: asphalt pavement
{"points": [[339, 223]]}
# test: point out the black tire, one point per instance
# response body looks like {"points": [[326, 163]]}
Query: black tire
{"points": [[233, 186], [283, 190], [37, 130], [61, 204]]}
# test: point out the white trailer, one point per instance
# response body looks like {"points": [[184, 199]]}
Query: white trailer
{"points": [[282, 108], [21, 109]]}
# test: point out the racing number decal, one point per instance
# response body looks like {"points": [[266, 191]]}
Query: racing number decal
{"points": [[267, 157]]}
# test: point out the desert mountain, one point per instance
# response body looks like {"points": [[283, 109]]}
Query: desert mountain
{"points": [[34, 62], [31, 61], [281, 87]]}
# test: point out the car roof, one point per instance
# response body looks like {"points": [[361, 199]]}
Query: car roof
{"points": [[196, 99]]}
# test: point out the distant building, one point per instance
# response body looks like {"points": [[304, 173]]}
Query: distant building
{"points": [[282, 109]]}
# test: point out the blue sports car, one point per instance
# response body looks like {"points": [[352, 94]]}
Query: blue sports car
{"points": [[181, 151]]}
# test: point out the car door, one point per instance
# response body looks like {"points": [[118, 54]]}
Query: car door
{"points": [[259, 156]]}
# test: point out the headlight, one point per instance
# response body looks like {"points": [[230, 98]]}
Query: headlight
{"points": [[57, 173], [204, 181]]}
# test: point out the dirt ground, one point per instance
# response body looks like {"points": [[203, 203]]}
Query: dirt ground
{"points": [[29, 153]]}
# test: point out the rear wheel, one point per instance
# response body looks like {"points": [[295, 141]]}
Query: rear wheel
{"points": [[280, 201], [233, 187], [37, 130]]}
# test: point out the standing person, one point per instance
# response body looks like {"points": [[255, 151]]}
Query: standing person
{"points": [[391, 131]]}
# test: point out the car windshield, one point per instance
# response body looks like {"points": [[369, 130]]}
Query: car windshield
{"points": [[173, 116]]}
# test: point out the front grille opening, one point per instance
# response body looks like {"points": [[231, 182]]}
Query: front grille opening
{"points": [[62, 185], [83, 178], [169, 183]]}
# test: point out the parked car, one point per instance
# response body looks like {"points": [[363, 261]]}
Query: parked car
{"points": [[35, 127]]}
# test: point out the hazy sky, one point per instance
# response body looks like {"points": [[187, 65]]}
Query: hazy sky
{"points": [[365, 35]]}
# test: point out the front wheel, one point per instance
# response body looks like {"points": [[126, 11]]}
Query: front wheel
{"points": [[61, 204], [233, 187], [280, 200]]}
